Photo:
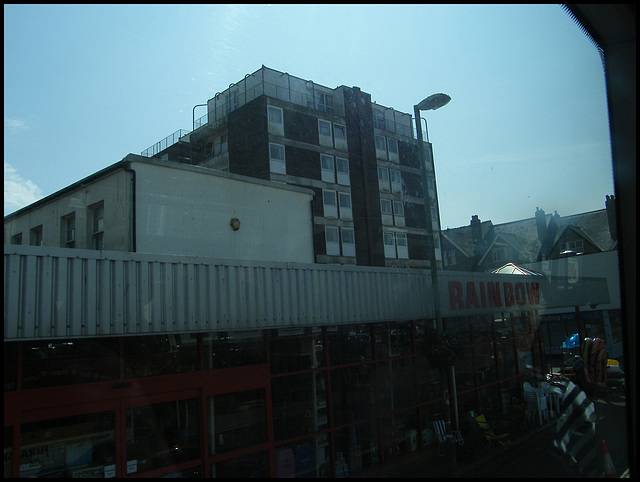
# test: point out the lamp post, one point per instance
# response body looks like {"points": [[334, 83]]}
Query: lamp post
{"points": [[432, 102]]}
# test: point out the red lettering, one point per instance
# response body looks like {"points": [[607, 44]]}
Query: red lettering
{"points": [[521, 298], [483, 296], [533, 292], [494, 294], [508, 295], [472, 296], [455, 295]]}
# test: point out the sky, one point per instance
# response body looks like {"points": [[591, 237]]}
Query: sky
{"points": [[527, 126]]}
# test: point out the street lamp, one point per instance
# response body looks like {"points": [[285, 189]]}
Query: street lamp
{"points": [[432, 102]]}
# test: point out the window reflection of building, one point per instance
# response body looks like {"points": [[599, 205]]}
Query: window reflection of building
{"points": [[366, 388]]}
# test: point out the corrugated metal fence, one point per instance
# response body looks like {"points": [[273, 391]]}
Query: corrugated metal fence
{"points": [[61, 293]]}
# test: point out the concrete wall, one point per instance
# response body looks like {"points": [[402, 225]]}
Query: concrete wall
{"points": [[186, 210]]}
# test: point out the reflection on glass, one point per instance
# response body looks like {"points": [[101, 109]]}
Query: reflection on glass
{"points": [[159, 355], [238, 420], [299, 404], [292, 350], [255, 465], [10, 366], [356, 449], [349, 344], [305, 458], [162, 434], [353, 393], [8, 443], [82, 446], [393, 339], [67, 362], [228, 349]]}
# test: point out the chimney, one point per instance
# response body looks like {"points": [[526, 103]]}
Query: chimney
{"points": [[476, 229], [541, 223], [610, 205]]}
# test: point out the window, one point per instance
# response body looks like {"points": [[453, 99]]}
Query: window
{"points": [[35, 236], [340, 137], [577, 246], [69, 231], [16, 238], [396, 181], [332, 240], [342, 171], [498, 254], [330, 204], [401, 246], [393, 150], [277, 163], [379, 120], [348, 242], [275, 119], [238, 420], [324, 133], [398, 213], [383, 179], [389, 245], [327, 168], [386, 212], [381, 147], [80, 446], [324, 102], [162, 434], [97, 228], [344, 201]]}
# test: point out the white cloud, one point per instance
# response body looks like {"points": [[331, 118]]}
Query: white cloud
{"points": [[18, 192], [15, 126]]}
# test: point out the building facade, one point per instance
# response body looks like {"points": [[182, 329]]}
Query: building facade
{"points": [[234, 302], [361, 160]]}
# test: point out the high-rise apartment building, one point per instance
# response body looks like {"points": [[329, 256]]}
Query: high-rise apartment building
{"points": [[360, 158]]}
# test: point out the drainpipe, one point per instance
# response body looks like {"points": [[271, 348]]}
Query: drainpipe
{"points": [[132, 215]]}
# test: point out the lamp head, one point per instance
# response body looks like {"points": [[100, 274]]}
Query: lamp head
{"points": [[434, 102]]}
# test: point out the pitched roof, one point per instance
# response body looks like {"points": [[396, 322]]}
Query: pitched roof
{"points": [[593, 226]]}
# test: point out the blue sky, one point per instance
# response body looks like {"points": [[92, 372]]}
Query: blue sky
{"points": [[527, 126]]}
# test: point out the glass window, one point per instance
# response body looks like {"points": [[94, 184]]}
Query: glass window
{"points": [[299, 404], [275, 120], [159, 355], [275, 114], [349, 344], [162, 434], [296, 349], [324, 127], [81, 446], [353, 393], [348, 242], [97, 227], [68, 362], [344, 200], [327, 168], [310, 457], [35, 236], [69, 231], [357, 449], [385, 206], [8, 449], [342, 171], [238, 420], [253, 465], [228, 349], [277, 160], [383, 179], [16, 239], [332, 241], [330, 204]]}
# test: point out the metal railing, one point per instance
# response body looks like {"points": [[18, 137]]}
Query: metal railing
{"points": [[164, 143]]}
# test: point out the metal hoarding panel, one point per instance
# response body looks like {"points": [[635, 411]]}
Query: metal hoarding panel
{"points": [[69, 293]]}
